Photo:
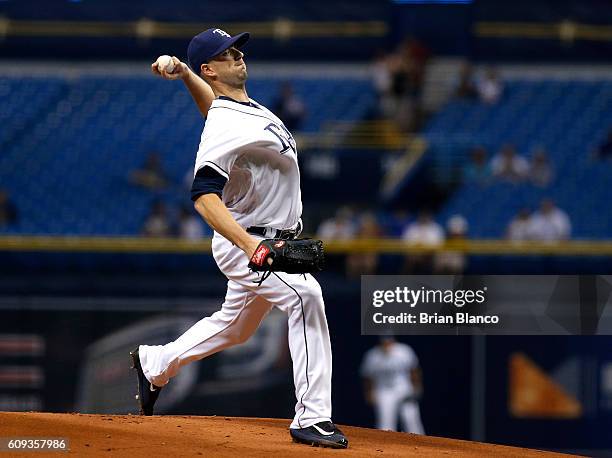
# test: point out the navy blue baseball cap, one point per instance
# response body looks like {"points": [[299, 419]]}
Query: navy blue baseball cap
{"points": [[206, 45]]}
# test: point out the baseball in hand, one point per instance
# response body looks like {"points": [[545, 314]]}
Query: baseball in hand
{"points": [[165, 63]]}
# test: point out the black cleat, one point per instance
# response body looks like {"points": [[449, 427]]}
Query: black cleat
{"points": [[146, 397], [323, 434]]}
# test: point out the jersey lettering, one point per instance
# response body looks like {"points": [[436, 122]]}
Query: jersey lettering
{"points": [[236, 154], [284, 136]]}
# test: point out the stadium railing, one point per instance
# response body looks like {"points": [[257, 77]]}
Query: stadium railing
{"points": [[382, 246]]}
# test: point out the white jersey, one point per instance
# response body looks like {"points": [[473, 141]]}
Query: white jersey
{"points": [[390, 370], [255, 152]]}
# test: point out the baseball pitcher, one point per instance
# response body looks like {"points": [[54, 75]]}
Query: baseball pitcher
{"points": [[247, 187]]}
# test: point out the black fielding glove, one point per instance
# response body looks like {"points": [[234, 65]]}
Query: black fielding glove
{"points": [[291, 256]]}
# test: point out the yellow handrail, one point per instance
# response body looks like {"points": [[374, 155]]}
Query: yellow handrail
{"points": [[383, 246], [147, 28]]}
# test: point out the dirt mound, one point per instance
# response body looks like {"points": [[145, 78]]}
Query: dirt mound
{"points": [[178, 436]]}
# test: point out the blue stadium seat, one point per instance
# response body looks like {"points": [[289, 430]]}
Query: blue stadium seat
{"points": [[569, 118], [67, 152]]}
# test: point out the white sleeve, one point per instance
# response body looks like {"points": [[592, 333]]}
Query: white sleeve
{"points": [[220, 145]]}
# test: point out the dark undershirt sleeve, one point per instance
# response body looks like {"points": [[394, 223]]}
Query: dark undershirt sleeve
{"points": [[207, 181]]}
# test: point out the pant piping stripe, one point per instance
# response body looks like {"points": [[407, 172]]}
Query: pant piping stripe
{"points": [[246, 301], [305, 344]]}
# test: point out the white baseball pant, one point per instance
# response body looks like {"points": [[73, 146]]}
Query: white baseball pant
{"points": [[245, 306], [390, 404]]}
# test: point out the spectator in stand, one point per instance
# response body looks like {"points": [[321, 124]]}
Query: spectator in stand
{"points": [[453, 262], [382, 80], [190, 227], [426, 233], [541, 172], [407, 69], [518, 229], [289, 108], [604, 151], [402, 93], [490, 87], [364, 263], [151, 176], [478, 169], [340, 227], [507, 165], [466, 86], [8, 210], [417, 55], [157, 223], [550, 223]]}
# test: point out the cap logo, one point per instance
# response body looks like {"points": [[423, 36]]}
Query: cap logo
{"points": [[221, 32]]}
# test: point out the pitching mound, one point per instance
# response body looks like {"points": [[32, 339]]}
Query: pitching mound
{"points": [[175, 436]]}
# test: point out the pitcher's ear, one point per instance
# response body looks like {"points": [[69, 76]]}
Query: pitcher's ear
{"points": [[205, 70]]}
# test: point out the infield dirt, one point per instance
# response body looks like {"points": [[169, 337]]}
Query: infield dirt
{"points": [[189, 436]]}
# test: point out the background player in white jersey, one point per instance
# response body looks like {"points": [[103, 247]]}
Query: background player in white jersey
{"points": [[247, 188], [392, 382]]}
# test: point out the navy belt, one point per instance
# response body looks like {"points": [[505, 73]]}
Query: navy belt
{"points": [[286, 234]]}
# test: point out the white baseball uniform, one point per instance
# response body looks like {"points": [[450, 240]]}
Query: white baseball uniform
{"points": [[254, 155], [389, 373]]}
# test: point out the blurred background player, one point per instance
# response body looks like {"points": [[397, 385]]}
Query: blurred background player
{"points": [[393, 385]]}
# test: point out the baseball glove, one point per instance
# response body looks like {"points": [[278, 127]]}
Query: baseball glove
{"points": [[290, 256]]}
